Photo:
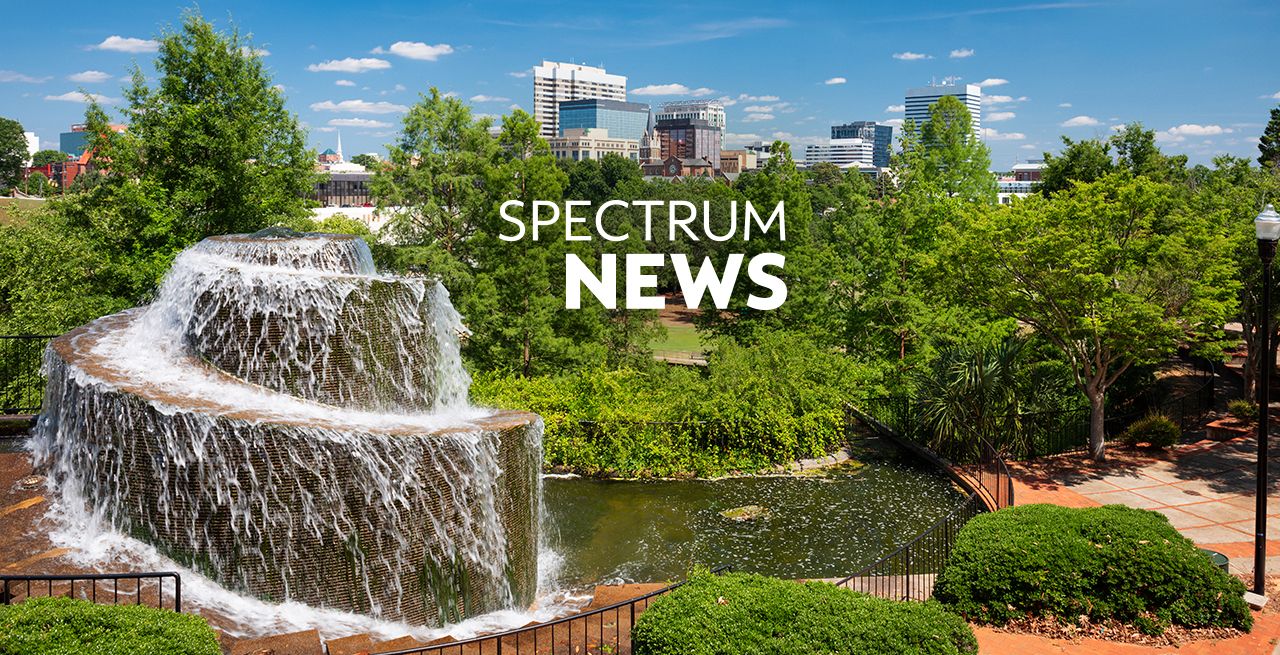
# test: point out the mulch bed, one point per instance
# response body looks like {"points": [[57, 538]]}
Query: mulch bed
{"points": [[1112, 630]]}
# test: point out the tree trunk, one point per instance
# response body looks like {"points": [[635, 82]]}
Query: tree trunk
{"points": [[1097, 423]]}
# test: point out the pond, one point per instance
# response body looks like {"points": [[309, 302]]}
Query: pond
{"points": [[607, 531]]}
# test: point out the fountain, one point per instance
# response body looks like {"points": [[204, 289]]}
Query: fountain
{"points": [[294, 426]]}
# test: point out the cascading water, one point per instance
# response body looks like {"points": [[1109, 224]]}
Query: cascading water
{"points": [[294, 426]]}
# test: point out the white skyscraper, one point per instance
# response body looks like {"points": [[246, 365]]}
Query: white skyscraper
{"points": [[919, 99], [845, 153], [33, 145], [555, 82]]}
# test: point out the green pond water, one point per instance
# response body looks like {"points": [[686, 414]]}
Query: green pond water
{"points": [[627, 531]]}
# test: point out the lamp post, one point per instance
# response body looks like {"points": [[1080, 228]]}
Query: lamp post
{"points": [[1267, 228]]}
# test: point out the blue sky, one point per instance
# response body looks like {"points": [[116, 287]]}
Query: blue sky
{"points": [[1202, 74]]}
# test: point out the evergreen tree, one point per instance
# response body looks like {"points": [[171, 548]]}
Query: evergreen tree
{"points": [[1269, 142]]}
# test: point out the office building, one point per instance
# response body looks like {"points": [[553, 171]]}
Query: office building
{"points": [[689, 139], [623, 120], [710, 111], [844, 153], [920, 99], [556, 82], [592, 143], [77, 140], [1028, 171], [33, 145], [878, 135], [738, 161]]}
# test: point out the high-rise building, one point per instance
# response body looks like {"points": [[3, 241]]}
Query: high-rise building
{"points": [[624, 120], [33, 145], [845, 153], [689, 138], [919, 100], [76, 141], [878, 135], [711, 111], [555, 82]]}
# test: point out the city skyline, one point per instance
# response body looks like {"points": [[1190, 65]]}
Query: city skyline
{"points": [[1197, 76]]}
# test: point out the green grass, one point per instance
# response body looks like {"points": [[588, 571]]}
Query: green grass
{"points": [[683, 338], [21, 203]]}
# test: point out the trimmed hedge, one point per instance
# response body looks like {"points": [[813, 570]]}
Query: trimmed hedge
{"points": [[750, 614], [1155, 430], [1111, 562], [55, 626]]}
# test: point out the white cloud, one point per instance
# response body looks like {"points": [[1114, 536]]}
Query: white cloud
{"points": [[1028, 146], [993, 81], [350, 65], [1274, 96], [345, 83], [911, 56], [961, 53], [484, 98], [997, 99], [756, 118], [758, 109], [1117, 127], [89, 77], [672, 90], [254, 52], [1180, 133], [398, 88], [730, 137], [127, 44], [357, 122], [1080, 121], [798, 140], [991, 134], [896, 122], [358, 107], [1064, 105], [524, 73], [78, 96], [997, 116], [14, 76], [326, 129], [416, 50], [513, 106], [895, 109], [835, 80]]}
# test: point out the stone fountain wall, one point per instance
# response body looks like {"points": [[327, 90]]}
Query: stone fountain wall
{"points": [[302, 435]]}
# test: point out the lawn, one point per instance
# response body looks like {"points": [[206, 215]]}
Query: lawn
{"points": [[681, 337], [22, 203]]}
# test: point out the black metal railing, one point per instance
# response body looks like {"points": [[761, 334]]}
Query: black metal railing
{"points": [[21, 384], [908, 573], [598, 631], [107, 588]]}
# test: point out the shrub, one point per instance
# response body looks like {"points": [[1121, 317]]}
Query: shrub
{"points": [[49, 626], [744, 613], [1243, 409], [1111, 562], [1154, 429]]}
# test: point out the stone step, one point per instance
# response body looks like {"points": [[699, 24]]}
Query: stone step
{"points": [[399, 643], [352, 645], [306, 642]]}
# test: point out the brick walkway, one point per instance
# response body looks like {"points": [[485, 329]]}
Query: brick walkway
{"points": [[1206, 489]]}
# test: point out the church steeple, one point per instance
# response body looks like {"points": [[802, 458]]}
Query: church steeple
{"points": [[339, 153]]}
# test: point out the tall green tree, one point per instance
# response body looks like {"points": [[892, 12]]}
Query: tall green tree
{"points": [[1080, 161], [1113, 273], [367, 160], [946, 155], [46, 157], [13, 153], [214, 134], [1136, 151], [1269, 143]]}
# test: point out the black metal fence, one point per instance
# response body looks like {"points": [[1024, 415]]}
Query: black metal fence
{"points": [[107, 588], [600, 631], [21, 384]]}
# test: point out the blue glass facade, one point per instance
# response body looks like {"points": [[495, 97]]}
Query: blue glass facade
{"points": [[624, 120], [880, 135]]}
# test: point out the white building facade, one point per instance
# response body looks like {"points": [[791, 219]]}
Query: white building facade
{"points": [[555, 82], [33, 145], [919, 99], [592, 143], [710, 111], [845, 153]]}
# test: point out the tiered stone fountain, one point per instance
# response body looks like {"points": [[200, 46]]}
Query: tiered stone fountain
{"points": [[294, 426]]}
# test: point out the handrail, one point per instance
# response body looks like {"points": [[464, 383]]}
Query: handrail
{"points": [[7, 595], [532, 631]]}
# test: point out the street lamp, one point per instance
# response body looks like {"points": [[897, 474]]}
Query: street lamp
{"points": [[1267, 227]]}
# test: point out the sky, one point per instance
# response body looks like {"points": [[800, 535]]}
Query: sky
{"points": [[1203, 75]]}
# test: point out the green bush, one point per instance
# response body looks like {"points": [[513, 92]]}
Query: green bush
{"points": [[1103, 562], [743, 613], [1243, 409], [751, 407], [1154, 429], [55, 626]]}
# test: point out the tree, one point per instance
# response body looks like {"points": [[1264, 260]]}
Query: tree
{"points": [[367, 160], [46, 157], [1136, 150], [1080, 161], [1113, 273], [1269, 143], [37, 184], [214, 134], [13, 153], [947, 156]]}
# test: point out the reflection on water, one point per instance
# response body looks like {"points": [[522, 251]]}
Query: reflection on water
{"points": [[618, 531]]}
